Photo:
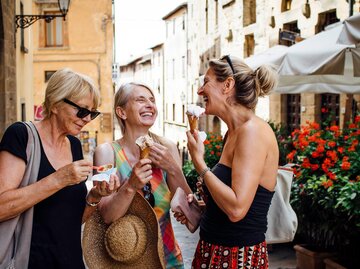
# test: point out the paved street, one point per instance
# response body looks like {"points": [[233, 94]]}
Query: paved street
{"points": [[281, 256]]}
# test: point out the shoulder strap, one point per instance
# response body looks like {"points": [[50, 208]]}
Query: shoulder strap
{"points": [[15, 233], [23, 230]]}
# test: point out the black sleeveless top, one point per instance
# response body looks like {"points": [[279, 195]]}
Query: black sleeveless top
{"points": [[56, 233], [215, 226]]}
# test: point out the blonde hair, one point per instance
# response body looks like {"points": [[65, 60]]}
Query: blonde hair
{"points": [[122, 97], [249, 84], [68, 84]]}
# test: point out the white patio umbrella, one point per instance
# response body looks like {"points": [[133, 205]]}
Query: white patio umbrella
{"points": [[350, 33], [273, 56], [319, 64]]}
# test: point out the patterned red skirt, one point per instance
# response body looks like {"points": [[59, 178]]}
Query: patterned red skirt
{"points": [[212, 256]]}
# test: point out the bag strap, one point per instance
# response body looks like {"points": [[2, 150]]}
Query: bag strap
{"points": [[33, 154]]}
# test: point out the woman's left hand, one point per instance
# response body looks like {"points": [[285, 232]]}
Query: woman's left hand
{"points": [[103, 188], [161, 157]]}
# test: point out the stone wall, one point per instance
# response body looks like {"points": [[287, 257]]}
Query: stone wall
{"points": [[7, 65]]}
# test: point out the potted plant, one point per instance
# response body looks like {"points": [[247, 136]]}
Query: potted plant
{"points": [[213, 148], [326, 188]]}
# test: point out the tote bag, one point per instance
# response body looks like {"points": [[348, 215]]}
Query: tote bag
{"points": [[282, 219], [15, 233]]}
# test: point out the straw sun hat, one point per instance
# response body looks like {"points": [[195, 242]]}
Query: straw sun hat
{"points": [[133, 241]]}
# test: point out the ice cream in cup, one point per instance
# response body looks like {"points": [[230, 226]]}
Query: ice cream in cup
{"points": [[193, 113], [144, 143]]}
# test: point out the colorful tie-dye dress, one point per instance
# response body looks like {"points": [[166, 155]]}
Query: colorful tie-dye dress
{"points": [[162, 206]]}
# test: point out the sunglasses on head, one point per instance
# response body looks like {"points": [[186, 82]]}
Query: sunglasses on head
{"points": [[82, 111], [148, 195], [228, 60]]}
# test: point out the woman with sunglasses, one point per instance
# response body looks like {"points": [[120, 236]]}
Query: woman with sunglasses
{"points": [[156, 177], [58, 196], [240, 187]]}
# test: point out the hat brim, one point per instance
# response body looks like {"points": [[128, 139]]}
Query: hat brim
{"points": [[93, 243]]}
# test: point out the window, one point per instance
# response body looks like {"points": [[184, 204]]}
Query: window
{"points": [[173, 112], [330, 102], [22, 35], [249, 45], [285, 5], [293, 103], [249, 12], [289, 34], [54, 31], [216, 12], [174, 26], [183, 113], [207, 17], [48, 74], [183, 22], [326, 19], [23, 112]]}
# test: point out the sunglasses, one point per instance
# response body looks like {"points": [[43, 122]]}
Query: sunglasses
{"points": [[82, 111], [228, 60], [148, 195]]}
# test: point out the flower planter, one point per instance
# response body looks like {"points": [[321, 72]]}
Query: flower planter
{"points": [[332, 264], [308, 259]]}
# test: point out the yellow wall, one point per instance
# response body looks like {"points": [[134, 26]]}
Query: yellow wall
{"points": [[90, 48]]}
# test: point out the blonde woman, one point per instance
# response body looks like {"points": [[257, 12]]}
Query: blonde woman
{"points": [[58, 196], [156, 177]]}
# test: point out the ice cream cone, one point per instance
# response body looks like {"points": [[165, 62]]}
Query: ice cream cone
{"points": [[144, 153], [193, 122], [144, 143]]}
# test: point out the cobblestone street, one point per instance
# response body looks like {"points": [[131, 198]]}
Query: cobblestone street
{"points": [[281, 256]]}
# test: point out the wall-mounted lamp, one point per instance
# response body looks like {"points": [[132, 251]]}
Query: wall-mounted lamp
{"points": [[306, 11], [24, 21]]}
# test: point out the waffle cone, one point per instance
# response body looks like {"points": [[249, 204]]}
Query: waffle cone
{"points": [[144, 153], [193, 122]]}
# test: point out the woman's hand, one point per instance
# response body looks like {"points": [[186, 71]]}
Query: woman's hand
{"points": [[73, 173], [141, 174], [103, 188], [161, 157], [201, 192], [179, 216], [196, 149]]}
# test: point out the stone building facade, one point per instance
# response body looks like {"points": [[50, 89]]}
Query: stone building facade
{"points": [[7, 65], [83, 43], [245, 28], [28, 57]]}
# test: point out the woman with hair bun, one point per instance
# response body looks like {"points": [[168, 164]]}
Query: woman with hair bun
{"points": [[240, 187]]}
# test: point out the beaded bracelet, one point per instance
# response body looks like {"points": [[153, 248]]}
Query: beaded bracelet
{"points": [[89, 203]]}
